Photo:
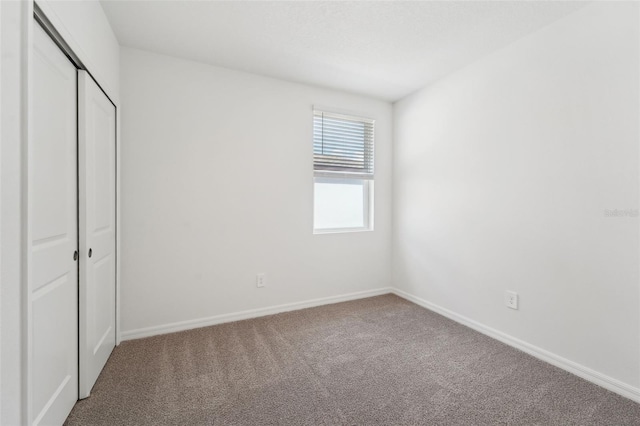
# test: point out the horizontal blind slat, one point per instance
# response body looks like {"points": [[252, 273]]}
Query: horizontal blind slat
{"points": [[355, 139]]}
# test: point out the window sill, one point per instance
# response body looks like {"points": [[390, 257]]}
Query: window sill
{"points": [[340, 230]]}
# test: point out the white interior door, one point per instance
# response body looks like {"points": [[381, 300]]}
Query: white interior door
{"points": [[97, 196], [52, 236]]}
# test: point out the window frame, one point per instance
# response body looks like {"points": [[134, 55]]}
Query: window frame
{"points": [[367, 204], [325, 176]]}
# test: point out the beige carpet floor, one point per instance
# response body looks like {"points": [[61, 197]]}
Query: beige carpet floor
{"points": [[376, 361]]}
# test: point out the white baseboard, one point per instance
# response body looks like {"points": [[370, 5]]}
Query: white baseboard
{"points": [[252, 313], [586, 373]]}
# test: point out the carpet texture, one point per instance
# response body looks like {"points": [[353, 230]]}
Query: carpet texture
{"points": [[376, 361]]}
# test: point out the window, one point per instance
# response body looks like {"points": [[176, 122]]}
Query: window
{"points": [[343, 172]]}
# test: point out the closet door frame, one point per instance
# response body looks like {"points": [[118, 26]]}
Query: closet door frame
{"points": [[39, 14]]}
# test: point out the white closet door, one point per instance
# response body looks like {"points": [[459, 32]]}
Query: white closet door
{"points": [[97, 195], [52, 236]]}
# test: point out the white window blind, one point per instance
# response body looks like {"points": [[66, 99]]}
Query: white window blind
{"points": [[342, 145]]}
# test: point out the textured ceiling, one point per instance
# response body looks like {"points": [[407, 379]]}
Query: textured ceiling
{"points": [[382, 49]]}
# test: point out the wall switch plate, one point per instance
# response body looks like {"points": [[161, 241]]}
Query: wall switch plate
{"points": [[511, 299], [261, 280]]}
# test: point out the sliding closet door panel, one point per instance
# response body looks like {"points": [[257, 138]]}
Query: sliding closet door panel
{"points": [[97, 153], [52, 235]]}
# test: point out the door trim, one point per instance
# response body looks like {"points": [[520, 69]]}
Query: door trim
{"points": [[48, 28]]}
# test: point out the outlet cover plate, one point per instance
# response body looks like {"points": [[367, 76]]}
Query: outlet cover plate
{"points": [[511, 299]]}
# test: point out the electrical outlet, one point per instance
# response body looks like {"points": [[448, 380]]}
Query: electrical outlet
{"points": [[261, 280], [511, 299]]}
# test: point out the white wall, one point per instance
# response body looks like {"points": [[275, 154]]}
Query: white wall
{"points": [[217, 186], [86, 29], [12, 15], [502, 175]]}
